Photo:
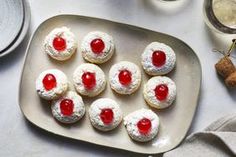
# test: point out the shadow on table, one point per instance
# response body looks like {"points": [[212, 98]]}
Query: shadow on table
{"points": [[79, 145], [166, 7], [12, 58], [222, 42]]}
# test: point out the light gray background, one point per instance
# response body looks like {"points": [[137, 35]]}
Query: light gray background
{"points": [[183, 19]]}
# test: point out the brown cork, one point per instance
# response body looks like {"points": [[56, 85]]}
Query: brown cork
{"points": [[231, 80], [225, 67]]}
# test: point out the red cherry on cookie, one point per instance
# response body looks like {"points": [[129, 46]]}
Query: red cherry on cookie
{"points": [[125, 77], [161, 92], [158, 58], [49, 82], [106, 116], [59, 43], [67, 107], [89, 80], [97, 46], [144, 126]]}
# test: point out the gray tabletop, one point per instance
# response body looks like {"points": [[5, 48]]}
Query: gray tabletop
{"points": [[183, 20]]}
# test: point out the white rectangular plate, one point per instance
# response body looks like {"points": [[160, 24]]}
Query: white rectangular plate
{"points": [[130, 42]]}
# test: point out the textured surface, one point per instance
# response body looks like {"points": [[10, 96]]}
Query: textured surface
{"points": [[106, 53], [114, 77], [71, 43], [217, 140], [78, 108], [131, 120], [150, 96], [96, 108], [56, 92], [147, 59], [99, 77], [11, 20], [20, 138], [23, 32]]}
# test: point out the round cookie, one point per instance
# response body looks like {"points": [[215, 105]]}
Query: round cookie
{"points": [[89, 80], [60, 44], [125, 77], [158, 59], [69, 108], [97, 47], [105, 114], [142, 125], [51, 84], [159, 92]]}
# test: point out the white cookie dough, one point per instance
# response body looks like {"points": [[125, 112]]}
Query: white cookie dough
{"points": [[58, 90], [99, 77], [104, 55], [70, 114], [150, 96], [115, 83], [96, 110], [70, 41], [131, 123], [147, 62]]}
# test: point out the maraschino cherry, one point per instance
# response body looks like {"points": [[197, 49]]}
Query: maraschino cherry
{"points": [[161, 92], [97, 46], [144, 126], [89, 80], [125, 77], [158, 58], [107, 116], [67, 107], [59, 43], [49, 82]]}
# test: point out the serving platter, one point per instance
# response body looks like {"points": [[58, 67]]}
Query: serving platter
{"points": [[130, 42]]}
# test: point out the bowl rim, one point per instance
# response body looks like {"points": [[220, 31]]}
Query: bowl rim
{"points": [[213, 19]]}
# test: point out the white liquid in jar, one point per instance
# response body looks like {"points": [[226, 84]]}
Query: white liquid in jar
{"points": [[225, 12]]}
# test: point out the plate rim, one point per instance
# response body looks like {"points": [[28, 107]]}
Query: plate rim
{"points": [[129, 25], [19, 6], [23, 31]]}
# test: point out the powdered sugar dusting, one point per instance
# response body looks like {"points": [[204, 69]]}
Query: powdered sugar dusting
{"points": [[95, 110], [149, 93], [69, 37], [114, 79], [100, 79], [147, 59], [61, 87], [106, 54], [78, 111], [131, 120]]}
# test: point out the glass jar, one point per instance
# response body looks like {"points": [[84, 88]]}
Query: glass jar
{"points": [[220, 15]]}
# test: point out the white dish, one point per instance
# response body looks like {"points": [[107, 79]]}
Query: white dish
{"points": [[23, 32], [130, 43]]}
